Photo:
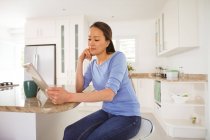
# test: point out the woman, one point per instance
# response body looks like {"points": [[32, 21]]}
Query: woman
{"points": [[119, 118]]}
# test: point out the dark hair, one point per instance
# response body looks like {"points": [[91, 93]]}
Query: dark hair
{"points": [[107, 31]]}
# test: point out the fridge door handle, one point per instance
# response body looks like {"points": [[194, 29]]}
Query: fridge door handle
{"points": [[35, 61]]}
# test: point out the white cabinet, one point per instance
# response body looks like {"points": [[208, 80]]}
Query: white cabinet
{"points": [[177, 27], [71, 36], [62, 50], [40, 31], [144, 91], [177, 118]]}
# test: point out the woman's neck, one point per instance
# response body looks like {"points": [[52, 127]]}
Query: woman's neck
{"points": [[102, 58]]}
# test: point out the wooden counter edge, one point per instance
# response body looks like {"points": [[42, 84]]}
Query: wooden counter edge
{"points": [[187, 77]]}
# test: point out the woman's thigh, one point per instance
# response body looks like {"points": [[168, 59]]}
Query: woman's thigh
{"points": [[81, 129], [117, 128]]}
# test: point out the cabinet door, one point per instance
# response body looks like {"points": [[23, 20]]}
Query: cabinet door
{"points": [[62, 51], [70, 43], [180, 22], [31, 30], [170, 24], [188, 23], [144, 91], [160, 34], [40, 32]]}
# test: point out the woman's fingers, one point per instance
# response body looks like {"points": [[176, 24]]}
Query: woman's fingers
{"points": [[88, 54], [56, 94]]}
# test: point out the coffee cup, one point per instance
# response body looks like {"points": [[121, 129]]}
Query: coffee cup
{"points": [[30, 88]]}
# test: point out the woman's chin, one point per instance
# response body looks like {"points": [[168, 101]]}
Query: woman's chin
{"points": [[93, 53]]}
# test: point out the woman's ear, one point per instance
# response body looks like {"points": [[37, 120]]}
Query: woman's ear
{"points": [[107, 42]]}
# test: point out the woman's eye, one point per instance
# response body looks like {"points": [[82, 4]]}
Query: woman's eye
{"points": [[96, 40]]}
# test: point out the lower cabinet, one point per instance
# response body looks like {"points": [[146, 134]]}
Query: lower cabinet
{"points": [[181, 111], [144, 91]]}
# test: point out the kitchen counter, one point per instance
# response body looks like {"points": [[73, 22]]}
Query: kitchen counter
{"points": [[187, 77], [34, 118], [13, 100]]}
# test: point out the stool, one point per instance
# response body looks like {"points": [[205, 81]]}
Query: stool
{"points": [[145, 131]]}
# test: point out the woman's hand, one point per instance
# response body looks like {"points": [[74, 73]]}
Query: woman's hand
{"points": [[58, 95], [86, 55]]}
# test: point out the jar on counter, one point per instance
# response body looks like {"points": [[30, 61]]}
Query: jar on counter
{"points": [[172, 74]]}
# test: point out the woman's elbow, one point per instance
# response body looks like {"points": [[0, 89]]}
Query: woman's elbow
{"points": [[110, 96], [78, 89]]}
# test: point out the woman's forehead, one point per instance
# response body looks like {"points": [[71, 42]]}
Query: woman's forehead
{"points": [[95, 32]]}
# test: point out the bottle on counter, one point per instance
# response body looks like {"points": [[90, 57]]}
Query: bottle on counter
{"points": [[158, 71], [181, 73], [164, 73]]}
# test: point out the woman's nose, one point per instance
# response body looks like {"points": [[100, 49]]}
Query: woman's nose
{"points": [[91, 43]]}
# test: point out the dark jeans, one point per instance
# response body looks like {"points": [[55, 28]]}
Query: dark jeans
{"points": [[103, 126]]}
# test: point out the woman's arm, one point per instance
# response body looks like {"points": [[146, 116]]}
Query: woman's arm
{"points": [[79, 72], [79, 76], [59, 95], [95, 96]]}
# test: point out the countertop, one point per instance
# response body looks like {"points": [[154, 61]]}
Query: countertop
{"points": [[186, 77], [14, 100]]}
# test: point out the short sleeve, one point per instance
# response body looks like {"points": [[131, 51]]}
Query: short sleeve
{"points": [[118, 68]]}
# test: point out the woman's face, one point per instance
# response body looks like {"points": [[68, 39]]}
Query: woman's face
{"points": [[97, 42]]}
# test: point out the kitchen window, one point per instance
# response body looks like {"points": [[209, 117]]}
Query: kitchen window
{"points": [[127, 45]]}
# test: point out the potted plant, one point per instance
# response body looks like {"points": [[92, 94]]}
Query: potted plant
{"points": [[193, 119], [130, 67]]}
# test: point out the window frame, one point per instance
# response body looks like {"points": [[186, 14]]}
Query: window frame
{"points": [[116, 42]]}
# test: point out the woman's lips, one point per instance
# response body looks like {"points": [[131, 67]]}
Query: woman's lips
{"points": [[92, 49]]}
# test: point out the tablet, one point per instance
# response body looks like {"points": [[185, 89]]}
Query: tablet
{"points": [[30, 69]]}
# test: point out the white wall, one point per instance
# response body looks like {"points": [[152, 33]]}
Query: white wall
{"points": [[7, 54], [205, 12], [144, 31], [11, 52]]}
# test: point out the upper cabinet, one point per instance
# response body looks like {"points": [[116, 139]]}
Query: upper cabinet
{"points": [[177, 27], [40, 31]]}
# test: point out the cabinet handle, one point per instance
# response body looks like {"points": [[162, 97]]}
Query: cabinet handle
{"points": [[162, 41]]}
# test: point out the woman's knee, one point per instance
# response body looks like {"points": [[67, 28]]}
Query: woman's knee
{"points": [[67, 132]]}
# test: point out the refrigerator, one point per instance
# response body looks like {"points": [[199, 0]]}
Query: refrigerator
{"points": [[43, 57]]}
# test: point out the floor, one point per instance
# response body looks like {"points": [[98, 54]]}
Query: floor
{"points": [[159, 133]]}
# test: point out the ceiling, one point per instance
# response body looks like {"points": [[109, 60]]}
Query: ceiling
{"points": [[13, 13]]}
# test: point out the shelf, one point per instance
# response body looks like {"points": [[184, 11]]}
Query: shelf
{"points": [[184, 128], [178, 123], [188, 103]]}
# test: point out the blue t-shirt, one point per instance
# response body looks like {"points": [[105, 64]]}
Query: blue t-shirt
{"points": [[113, 74]]}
